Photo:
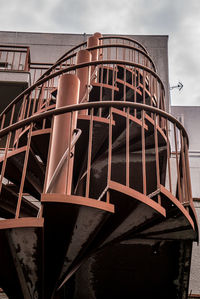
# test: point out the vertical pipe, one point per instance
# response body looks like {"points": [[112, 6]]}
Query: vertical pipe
{"points": [[84, 76], [68, 94], [127, 146], [188, 170], [183, 169], [113, 82], [89, 154], [99, 35], [177, 165], [168, 156], [143, 155], [24, 172], [144, 86], [109, 153], [135, 92], [92, 42], [157, 157]]}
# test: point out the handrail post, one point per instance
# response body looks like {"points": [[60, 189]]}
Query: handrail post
{"points": [[68, 94]]}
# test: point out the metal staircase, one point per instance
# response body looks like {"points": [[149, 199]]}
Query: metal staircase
{"points": [[95, 186]]}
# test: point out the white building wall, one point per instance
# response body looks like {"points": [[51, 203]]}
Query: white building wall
{"points": [[189, 116]]}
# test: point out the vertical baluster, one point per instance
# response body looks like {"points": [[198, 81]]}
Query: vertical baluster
{"points": [[34, 100], [6, 150], [144, 86], [20, 117], [41, 96], [177, 165], [89, 153], [184, 186], [107, 74], [48, 156], [143, 154], [113, 82], [24, 172], [127, 146], [5, 158], [3, 121], [150, 91], [29, 104], [69, 162], [125, 84], [168, 157], [109, 153], [157, 156], [189, 187], [101, 89], [26, 66], [135, 89]]}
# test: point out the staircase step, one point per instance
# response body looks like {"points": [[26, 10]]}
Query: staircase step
{"points": [[34, 175], [21, 257], [67, 239], [8, 203]]}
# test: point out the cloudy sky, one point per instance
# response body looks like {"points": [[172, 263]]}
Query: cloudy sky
{"points": [[180, 19]]}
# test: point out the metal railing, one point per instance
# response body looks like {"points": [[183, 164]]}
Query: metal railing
{"points": [[113, 80], [126, 100], [104, 41], [142, 152], [14, 58], [125, 61]]}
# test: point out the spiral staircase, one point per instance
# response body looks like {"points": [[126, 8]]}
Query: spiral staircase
{"points": [[95, 186]]}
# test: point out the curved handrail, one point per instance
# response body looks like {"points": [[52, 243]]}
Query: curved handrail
{"points": [[77, 107], [75, 67], [106, 37], [124, 38], [159, 122], [60, 61], [85, 43]]}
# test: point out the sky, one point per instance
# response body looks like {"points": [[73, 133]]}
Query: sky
{"points": [[180, 19]]}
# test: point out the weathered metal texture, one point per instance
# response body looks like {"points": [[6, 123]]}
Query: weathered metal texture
{"points": [[123, 269], [25, 245]]}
